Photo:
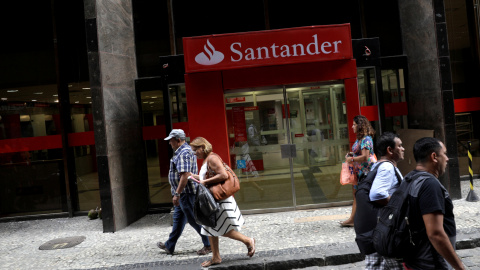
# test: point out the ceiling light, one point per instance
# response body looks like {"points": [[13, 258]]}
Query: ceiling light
{"points": [[86, 88], [4, 98], [77, 101], [34, 100], [56, 101], [12, 91], [88, 97], [70, 85], [38, 93], [154, 97], [55, 95], [145, 102]]}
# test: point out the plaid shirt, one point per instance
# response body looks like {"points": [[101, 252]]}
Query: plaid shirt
{"points": [[183, 160]]}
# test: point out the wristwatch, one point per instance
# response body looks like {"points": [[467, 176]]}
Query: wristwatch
{"points": [[176, 194]]}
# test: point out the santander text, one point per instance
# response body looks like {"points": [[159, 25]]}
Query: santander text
{"points": [[276, 51]]}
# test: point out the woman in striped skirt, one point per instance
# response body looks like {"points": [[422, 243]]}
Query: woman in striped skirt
{"points": [[229, 218]]}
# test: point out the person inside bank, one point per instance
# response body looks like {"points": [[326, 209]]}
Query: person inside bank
{"points": [[229, 218]]}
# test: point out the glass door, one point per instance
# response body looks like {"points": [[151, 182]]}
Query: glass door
{"points": [[311, 121], [257, 127], [318, 126]]}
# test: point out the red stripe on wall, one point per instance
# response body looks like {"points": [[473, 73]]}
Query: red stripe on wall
{"points": [[30, 144], [371, 112], [467, 104], [396, 109], [81, 138], [184, 126], [154, 132]]}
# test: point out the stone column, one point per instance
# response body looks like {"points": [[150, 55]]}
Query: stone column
{"points": [[117, 122], [430, 100]]}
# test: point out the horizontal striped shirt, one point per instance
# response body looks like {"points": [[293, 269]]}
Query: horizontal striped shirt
{"points": [[183, 160]]}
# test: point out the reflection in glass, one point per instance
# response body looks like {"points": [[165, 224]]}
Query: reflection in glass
{"points": [[257, 122], [256, 126], [30, 180], [318, 123], [394, 92]]}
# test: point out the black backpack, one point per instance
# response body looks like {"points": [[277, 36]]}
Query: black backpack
{"points": [[366, 214], [393, 236]]}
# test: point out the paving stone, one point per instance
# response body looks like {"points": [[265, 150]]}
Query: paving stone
{"points": [[281, 238]]}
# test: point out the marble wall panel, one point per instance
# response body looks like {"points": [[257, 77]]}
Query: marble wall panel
{"points": [[98, 121], [105, 194], [130, 204], [123, 135], [423, 77], [91, 35], [120, 105], [439, 11], [94, 70], [426, 110], [117, 70], [118, 137], [445, 73], [115, 24], [90, 9], [448, 107], [442, 39], [418, 27]]}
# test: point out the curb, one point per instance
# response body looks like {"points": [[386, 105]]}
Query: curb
{"points": [[331, 257], [287, 259]]}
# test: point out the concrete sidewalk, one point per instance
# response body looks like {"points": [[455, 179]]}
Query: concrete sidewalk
{"points": [[285, 240]]}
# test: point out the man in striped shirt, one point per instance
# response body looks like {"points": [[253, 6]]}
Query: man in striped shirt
{"points": [[182, 165]]}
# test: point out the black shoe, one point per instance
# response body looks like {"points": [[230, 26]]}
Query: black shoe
{"points": [[162, 246]]}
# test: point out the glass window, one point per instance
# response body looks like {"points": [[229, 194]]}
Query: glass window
{"points": [[463, 21], [157, 149], [155, 125], [313, 119], [368, 95], [306, 13], [31, 165], [83, 143], [382, 20], [32, 179], [394, 98], [152, 35]]}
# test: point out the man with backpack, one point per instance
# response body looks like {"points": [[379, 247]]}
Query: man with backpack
{"points": [[374, 192], [431, 218]]}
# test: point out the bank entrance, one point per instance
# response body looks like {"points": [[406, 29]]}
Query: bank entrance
{"points": [[311, 119]]}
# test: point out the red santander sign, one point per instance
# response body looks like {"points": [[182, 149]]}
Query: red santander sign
{"points": [[268, 48]]}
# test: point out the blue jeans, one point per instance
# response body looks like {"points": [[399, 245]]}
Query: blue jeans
{"points": [[182, 214]]}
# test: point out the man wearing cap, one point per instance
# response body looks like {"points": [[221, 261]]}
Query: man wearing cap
{"points": [[182, 165]]}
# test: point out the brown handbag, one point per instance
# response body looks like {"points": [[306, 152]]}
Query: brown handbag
{"points": [[224, 189]]}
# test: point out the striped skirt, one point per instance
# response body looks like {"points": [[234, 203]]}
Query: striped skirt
{"points": [[228, 218]]}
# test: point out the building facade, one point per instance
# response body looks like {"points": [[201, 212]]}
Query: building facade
{"points": [[89, 90]]}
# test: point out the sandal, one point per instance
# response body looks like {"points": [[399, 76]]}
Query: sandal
{"points": [[204, 251], [210, 263], [251, 249], [343, 224]]}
